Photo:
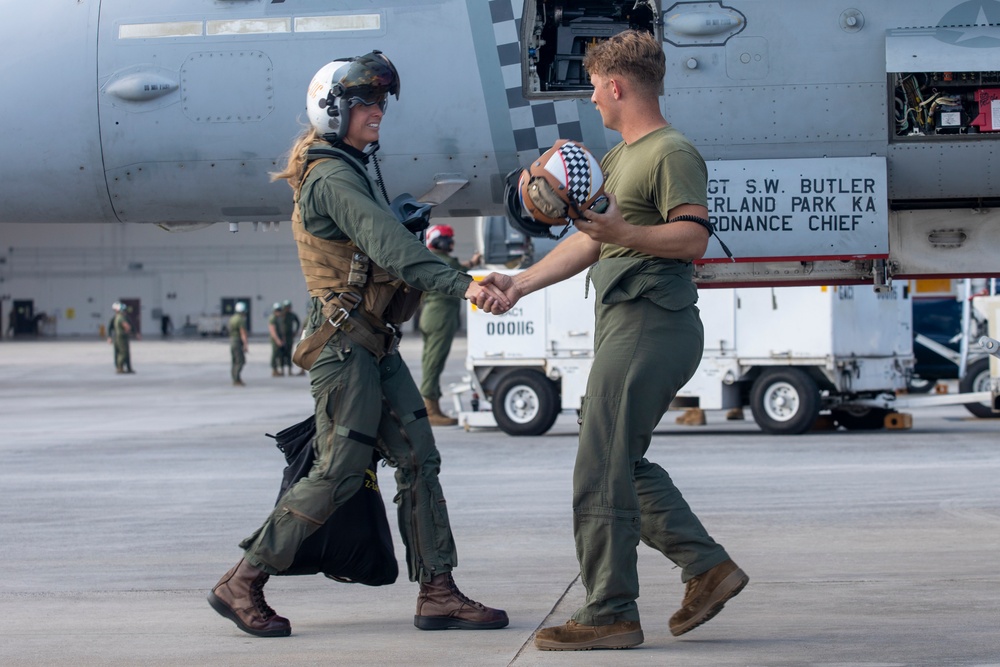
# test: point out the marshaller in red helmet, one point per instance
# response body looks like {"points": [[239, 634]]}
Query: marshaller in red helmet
{"points": [[565, 181]]}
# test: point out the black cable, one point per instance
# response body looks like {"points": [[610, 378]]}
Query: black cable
{"points": [[378, 179]]}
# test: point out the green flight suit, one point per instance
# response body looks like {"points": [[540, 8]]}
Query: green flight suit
{"points": [[440, 317], [277, 349], [648, 342], [237, 324], [363, 402], [120, 331]]}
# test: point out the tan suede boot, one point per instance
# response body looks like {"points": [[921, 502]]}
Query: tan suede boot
{"points": [[692, 417], [706, 595], [239, 596], [441, 606], [435, 416], [576, 637]]}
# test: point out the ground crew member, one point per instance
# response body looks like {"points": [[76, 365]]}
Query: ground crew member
{"points": [[111, 333], [290, 329], [648, 342], [238, 346], [119, 331], [355, 257], [276, 330], [440, 317]]}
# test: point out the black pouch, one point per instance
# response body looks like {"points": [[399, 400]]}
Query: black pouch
{"points": [[404, 305], [354, 545]]}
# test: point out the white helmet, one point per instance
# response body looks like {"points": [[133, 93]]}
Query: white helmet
{"points": [[344, 83], [116, 306], [241, 307]]}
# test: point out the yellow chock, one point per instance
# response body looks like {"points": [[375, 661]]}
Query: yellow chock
{"points": [[940, 388], [898, 420]]}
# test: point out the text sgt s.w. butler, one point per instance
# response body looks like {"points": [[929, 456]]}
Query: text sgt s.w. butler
{"points": [[758, 209]]}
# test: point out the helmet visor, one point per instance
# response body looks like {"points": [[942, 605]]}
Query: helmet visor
{"points": [[369, 80]]}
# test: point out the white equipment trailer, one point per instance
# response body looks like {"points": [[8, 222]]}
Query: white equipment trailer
{"points": [[789, 353]]}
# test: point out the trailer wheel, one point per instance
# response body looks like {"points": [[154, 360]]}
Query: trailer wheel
{"points": [[977, 378], [860, 418], [784, 401], [917, 385], [525, 403]]}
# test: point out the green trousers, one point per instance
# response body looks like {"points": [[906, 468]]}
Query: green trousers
{"points": [[123, 356], [643, 354], [439, 321], [361, 404], [239, 359], [277, 351]]}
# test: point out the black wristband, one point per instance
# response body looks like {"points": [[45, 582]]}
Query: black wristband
{"points": [[707, 225]]}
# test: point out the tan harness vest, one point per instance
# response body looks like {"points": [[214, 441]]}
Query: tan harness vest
{"points": [[359, 297]]}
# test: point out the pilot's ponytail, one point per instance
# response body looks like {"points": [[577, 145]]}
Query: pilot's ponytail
{"points": [[295, 169]]}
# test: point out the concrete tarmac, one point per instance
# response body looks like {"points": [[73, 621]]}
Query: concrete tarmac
{"points": [[124, 497]]}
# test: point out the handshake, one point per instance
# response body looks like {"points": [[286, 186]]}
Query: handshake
{"points": [[496, 293]]}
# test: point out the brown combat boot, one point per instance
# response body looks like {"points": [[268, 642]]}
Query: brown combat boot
{"points": [[435, 416], [706, 595], [576, 637], [692, 417], [441, 606], [735, 415], [239, 596]]}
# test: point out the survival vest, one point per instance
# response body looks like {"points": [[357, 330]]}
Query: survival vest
{"points": [[359, 297]]}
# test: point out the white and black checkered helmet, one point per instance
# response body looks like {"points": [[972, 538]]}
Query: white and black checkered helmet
{"points": [[347, 82], [566, 180]]}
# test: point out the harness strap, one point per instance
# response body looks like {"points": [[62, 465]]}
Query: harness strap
{"points": [[339, 311]]}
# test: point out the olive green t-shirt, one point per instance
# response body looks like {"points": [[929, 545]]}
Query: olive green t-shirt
{"points": [[651, 176], [237, 322]]}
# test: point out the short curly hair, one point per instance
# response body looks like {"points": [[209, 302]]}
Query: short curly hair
{"points": [[633, 54]]}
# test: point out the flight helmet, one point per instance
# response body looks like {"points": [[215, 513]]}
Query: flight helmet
{"points": [[347, 82], [440, 237], [555, 189], [566, 179], [241, 307]]}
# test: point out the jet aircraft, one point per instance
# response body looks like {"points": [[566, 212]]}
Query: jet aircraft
{"points": [[847, 142]]}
